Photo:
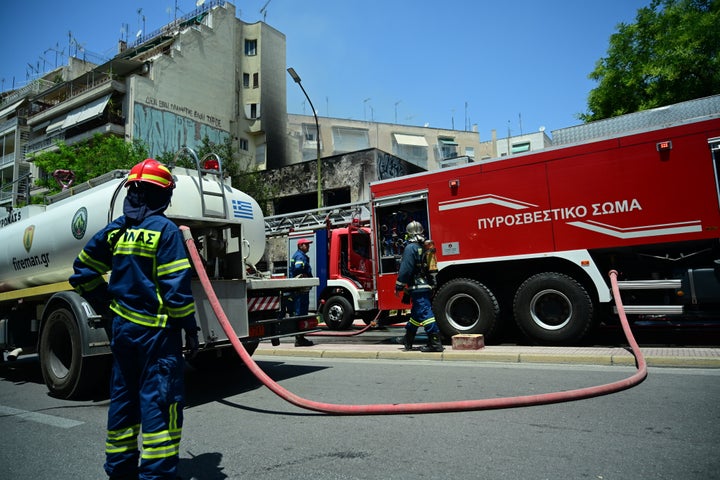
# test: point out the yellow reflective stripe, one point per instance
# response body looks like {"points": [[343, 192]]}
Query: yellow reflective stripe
{"points": [[424, 323], [428, 321], [167, 451], [170, 438], [159, 320], [147, 176], [173, 416], [123, 440], [181, 312], [139, 241], [171, 267], [92, 263], [90, 286]]}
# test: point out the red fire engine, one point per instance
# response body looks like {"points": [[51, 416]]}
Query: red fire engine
{"points": [[533, 236]]}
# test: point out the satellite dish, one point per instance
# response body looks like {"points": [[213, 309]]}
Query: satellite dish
{"points": [[199, 3], [137, 35], [542, 129]]}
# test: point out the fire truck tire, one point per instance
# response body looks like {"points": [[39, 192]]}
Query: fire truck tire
{"points": [[553, 308], [466, 306], [338, 313], [67, 374]]}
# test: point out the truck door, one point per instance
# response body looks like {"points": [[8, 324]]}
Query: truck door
{"points": [[359, 259], [390, 216], [715, 150]]}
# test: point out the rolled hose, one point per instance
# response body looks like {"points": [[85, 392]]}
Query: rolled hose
{"points": [[426, 407]]}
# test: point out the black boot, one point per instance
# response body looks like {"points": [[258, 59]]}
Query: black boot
{"points": [[434, 344], [408, 339]]}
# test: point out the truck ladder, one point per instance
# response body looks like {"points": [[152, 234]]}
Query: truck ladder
{"points": [[199, 166], [334, 216]]}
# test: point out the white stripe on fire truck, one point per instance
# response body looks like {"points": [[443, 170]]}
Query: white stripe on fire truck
{"points": [[488, 199], [642, 231], [263, 303]]}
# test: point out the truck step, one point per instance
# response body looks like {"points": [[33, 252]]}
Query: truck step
{"points": [[652, 309], [649, 284]]}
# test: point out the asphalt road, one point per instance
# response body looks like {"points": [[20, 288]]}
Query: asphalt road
{"points": [[668, 427]]}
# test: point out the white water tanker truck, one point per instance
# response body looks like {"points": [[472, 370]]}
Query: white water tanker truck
{"points": [[41, 314]]}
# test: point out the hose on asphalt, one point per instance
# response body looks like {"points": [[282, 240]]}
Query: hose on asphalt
{"points": [[423, 407]]}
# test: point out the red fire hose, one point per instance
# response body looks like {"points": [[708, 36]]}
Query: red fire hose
{"points": [[434, 407]]}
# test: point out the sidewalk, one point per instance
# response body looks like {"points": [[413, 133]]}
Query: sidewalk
{"points": [[698, 357]]}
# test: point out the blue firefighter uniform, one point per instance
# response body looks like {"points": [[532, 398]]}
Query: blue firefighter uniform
{"points": [[411, 275], [300, 267], [151, 298]]}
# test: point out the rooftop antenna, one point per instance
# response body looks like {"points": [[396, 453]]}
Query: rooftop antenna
{"points": [[57, 51], [263, 10], [141, 18]]}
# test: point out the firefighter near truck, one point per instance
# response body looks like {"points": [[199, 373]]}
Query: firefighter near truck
{"points": [[41, 314], [531, 238]]}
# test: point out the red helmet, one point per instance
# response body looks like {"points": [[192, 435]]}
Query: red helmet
{"points": [[304, 241], [151, 171]]}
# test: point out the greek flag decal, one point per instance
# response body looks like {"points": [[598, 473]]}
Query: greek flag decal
{"points": [[242, 209]]}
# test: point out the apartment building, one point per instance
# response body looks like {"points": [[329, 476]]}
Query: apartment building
{"points": [[425, 147], [170, 88]]}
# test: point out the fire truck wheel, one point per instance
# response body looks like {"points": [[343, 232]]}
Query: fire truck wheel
{"points": [[338, 313], [66, 372], [466, 306], [553, 308]]}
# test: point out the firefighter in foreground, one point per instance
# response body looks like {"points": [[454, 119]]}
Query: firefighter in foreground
{"points": [[150, 296], [414, 279]]}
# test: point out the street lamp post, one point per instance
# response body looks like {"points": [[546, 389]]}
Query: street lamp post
{"points": [[296, 78]]}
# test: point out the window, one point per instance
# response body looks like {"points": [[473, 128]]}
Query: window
{"points": [[350, 139], [246, 80], [250, 47], [447, 147], [243, 143], [256, 80], [309, 141], [520, 147], [260, 154], [252, 110], [413, 148]]}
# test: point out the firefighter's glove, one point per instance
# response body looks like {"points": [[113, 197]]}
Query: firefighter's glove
{"points": [[192, 344]]}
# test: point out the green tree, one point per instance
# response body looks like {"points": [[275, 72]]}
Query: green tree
{"points": [[89, 159], [670, 54]]}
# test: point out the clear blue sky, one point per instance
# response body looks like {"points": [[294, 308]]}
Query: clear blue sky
{"points": [[505, 65]]}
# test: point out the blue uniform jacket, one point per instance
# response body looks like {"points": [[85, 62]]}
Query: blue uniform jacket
{"points": [[151, 274], [300, 265], [410, 269]]}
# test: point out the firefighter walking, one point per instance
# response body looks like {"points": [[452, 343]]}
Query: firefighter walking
{"points": [[150, 296], [414, 278]]}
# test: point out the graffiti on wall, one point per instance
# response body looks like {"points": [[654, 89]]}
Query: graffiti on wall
{"points": [[165, 131], [389, 166]]}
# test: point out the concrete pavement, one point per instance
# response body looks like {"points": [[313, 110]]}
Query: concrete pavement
{"points": [[698, 357]]}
